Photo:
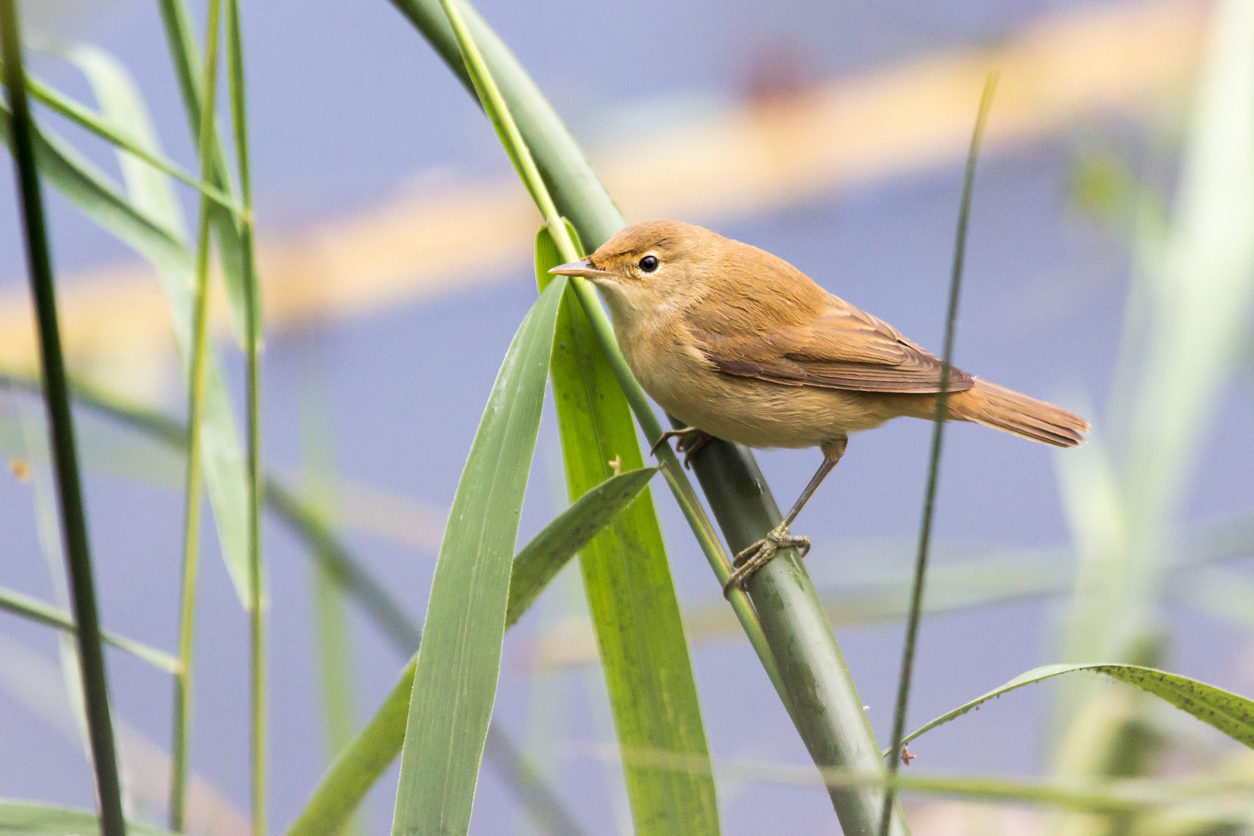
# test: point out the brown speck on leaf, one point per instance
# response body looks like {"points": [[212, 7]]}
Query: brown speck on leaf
{"points": [[616, 465], [20, 469], [906, 757]]}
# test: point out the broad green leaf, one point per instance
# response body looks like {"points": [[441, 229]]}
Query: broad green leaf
{"points": [[644, 653], [630, 595], [365, 758], [1231, 713], [27, 817], [149, 222], [459, 660], [544, 556], [36, 610]]}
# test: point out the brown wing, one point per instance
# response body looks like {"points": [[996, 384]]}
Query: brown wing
{"points": [[840, 348]]}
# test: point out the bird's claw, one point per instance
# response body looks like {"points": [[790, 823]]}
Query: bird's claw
{"points": [[750, 560], [691, 440]]}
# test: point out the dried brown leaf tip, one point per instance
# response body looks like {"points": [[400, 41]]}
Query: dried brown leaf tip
{"points": [[906, 757]]}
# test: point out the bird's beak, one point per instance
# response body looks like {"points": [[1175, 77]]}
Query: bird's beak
{"points": [[581, 268]]}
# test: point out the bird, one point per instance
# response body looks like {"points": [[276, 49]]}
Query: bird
{"points": [[738, 344]]}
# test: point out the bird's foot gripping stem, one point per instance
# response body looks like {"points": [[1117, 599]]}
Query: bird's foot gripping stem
{"points": [[750, 560], [691, 440]]}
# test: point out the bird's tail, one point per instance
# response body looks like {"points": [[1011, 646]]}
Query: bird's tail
{"points": [[1004, 409]]}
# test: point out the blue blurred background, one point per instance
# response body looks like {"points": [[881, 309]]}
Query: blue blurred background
{"points": [[357, 127]]}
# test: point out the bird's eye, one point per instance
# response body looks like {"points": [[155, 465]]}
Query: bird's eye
{"points": [[648, 264]]}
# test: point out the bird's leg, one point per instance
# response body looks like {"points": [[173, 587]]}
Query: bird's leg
{"points": [[757, 555], [691, 440]]}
